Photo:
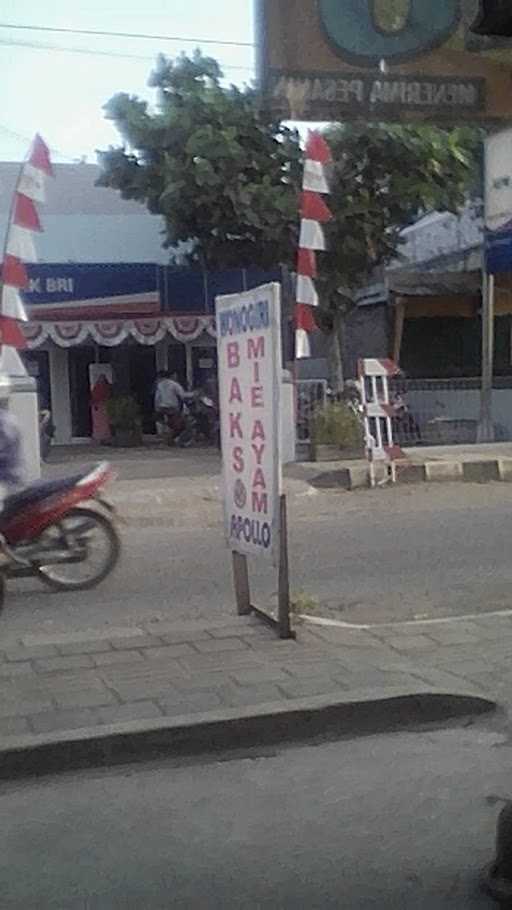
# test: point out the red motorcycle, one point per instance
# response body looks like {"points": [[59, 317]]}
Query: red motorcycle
{"points": [[61, 531]]}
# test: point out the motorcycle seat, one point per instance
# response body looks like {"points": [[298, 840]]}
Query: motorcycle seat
{"points": [[38, 491]]}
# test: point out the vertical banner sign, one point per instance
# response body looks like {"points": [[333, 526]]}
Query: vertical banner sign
{"points": [[250, 374], [498, 202]]}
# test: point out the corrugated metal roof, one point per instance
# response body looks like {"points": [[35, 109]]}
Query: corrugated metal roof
{"points": [[371, 295], [434, 284]]}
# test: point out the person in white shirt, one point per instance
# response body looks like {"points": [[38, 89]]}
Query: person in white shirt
{"points": [[169, 393], [169, 398]]}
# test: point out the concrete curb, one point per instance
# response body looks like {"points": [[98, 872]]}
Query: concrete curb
{"points": [[481, 471], [443, 471], [365, 713], [411, 473], [505, 469], [478, 471]]}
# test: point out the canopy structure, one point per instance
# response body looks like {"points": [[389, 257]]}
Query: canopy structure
{"points": [[435, 295], [429, 284], [113, 332]]}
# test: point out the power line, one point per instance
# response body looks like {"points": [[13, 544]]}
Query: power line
{"points": [[38, 46], [103, 34], [28, 140]]}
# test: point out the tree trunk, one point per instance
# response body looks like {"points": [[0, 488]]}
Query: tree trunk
{"points": [[336, 355]]}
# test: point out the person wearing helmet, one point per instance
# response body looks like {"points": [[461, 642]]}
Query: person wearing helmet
{"points": [[12, 472]]}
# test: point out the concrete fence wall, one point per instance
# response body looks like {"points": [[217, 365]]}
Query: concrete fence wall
{"points": [[440, 412]]}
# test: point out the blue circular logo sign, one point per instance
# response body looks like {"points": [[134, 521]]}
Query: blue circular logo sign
{"points": [[364, 36], [240, 494]]}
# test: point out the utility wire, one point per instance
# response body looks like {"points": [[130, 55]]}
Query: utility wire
{"points": [[38, 46], [28, 140], [104, 34]]}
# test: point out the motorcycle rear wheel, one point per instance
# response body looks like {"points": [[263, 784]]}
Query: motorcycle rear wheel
{"points": [[83, 523]]}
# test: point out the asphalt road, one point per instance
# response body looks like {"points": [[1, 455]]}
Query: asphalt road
{"points": [[375, 556], [394, 821]]}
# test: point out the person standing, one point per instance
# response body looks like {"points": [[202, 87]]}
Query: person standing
{"points": [[169, 399], [101, 393]]}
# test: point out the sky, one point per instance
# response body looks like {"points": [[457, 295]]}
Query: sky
{"points": [[60, 93]]}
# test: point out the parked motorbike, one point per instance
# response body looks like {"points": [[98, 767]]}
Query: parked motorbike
{"points": [[170, 425], [61, 531], [201, 422], [406, 431]]}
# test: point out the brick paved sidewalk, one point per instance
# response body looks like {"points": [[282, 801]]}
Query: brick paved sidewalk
{"points": [[164, 670]]}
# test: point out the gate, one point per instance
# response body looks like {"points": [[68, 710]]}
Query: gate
{"points": [[311, 396]]}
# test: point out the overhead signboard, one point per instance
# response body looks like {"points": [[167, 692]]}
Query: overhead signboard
{"points": [[83, 290], [382, 59], [498, 202], [249, 366]]}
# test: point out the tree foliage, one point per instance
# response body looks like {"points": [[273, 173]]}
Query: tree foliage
{"points": [[221, 171], [226, 175], [384, 176]]}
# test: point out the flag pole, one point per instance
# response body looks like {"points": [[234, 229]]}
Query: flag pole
{"points": [[18, 249], [485, 431], [9, 224], [486, 425]]}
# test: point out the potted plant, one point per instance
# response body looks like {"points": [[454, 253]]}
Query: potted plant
{"points": [[125, 421], [337, 433]]}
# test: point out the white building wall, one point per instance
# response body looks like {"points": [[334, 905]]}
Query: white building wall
{"points": [[288, 438], [99, 238], [61, 401], [441, 234], [24, 405]]}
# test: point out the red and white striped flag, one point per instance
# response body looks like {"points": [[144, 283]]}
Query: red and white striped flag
{"points": [[314, 213], [19, 242]]}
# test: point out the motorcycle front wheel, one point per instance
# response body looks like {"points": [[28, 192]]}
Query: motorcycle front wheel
{"points": [[94, 548]]}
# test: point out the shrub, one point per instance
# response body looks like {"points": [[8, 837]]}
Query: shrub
{"points": [[336, 424], [123, 413]]}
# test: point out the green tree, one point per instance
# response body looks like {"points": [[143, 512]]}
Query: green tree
{"points": [[223, 172], [383, 177], [225, 175]]}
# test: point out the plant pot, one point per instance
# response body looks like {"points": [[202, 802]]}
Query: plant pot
{"points": [[127, 439]]}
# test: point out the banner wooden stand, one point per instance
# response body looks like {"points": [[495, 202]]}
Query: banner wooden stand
{"points": [[282, 624], [249, 342], [242, 586]]}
